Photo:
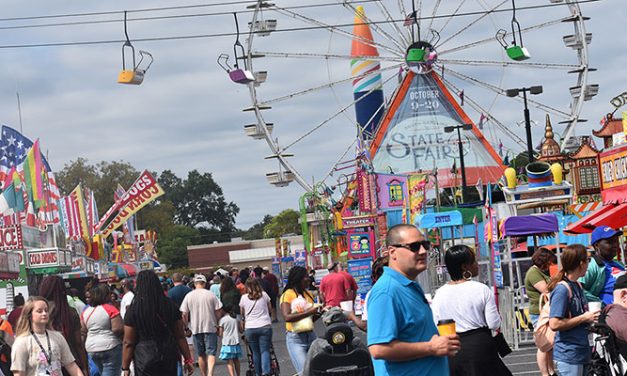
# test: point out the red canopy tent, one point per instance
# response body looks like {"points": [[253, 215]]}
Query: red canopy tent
{"points": [[613, 215]]}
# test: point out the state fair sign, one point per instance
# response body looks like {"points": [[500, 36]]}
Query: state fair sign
{"points": [[143, 191], [11, 238]]}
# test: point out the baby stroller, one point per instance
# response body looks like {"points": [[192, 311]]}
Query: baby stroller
{"points": [[609, 354], [275, 370]]}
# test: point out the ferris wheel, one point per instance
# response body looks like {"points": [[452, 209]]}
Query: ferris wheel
{"points": [[297, 63]]}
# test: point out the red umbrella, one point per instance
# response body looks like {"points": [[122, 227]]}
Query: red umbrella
{"points": [[614, 215]]}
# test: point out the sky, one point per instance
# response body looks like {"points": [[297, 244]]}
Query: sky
{"points": [[188, 115]]}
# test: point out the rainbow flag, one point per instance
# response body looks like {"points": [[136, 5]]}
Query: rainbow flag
{"points": [[33, 171]]}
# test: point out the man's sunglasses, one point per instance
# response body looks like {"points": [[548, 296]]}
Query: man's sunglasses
{"points": [[415, 246]]}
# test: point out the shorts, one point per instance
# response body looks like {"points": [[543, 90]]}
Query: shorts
{"points": [[206, 344], [534, 320]]}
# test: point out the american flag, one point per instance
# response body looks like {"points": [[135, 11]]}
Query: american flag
{"points": [[410, 19], [13, 149]]}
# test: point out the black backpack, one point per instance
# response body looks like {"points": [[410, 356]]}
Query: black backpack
{"points": [[5, 349]]}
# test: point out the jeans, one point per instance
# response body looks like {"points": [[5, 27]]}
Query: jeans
{"points": [[109, 362], [297, 345], [259, 340], [567, 369]]}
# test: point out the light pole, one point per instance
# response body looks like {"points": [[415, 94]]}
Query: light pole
{"points": [[451, 129], [514, 93]]}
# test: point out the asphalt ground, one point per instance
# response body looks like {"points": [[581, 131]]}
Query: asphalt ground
{"points": [[520, 362]]}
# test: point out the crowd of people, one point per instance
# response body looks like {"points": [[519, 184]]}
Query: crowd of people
{"points": [[143, 327]]}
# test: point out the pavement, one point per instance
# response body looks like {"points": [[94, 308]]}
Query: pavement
{"points": [[520, 362]]}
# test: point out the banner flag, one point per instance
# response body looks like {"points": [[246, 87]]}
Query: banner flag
{"points": [[416, 185], [142, 192], [78, 209]]}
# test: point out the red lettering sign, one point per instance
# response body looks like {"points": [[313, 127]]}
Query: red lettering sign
{"points": [[11, 238], [38, 259]]}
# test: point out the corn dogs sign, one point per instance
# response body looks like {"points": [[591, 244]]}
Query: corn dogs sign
{"points": [[143, 191]]}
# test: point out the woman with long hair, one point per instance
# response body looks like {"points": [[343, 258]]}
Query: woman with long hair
{"points": [[536, 283], [569, 316], [471, 304], [102, 327], [64, 318], [255, 311], [230, 295], [39, 350], [154, 333], [298, 342]]}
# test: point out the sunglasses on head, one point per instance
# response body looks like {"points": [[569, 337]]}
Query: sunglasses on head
{"points": [[415, 246]]}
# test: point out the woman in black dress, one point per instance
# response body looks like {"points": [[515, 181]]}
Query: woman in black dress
{"points": [[154, 336]]}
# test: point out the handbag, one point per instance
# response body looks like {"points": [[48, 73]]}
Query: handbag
{"points": [[303, 325], [502, 347]]}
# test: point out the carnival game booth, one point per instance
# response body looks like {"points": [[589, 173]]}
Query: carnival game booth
{"points": [[83, 271], [513, 301]]}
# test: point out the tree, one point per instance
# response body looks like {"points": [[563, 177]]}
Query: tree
{"points": [[199, 200], [256, 231], [286, 222], [172, 247], [102, 178]]}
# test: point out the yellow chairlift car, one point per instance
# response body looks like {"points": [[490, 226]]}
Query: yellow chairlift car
{"points": [[135, 73]]}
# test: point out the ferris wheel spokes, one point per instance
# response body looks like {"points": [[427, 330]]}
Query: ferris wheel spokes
{"points": [[322, 87]]}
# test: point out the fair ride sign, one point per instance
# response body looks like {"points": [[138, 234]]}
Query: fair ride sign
{"points": [[412, 138]]}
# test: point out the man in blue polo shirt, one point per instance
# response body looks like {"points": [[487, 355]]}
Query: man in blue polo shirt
{"points": [[402, 337]]}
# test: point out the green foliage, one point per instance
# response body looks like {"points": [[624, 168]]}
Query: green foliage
{"points": [[256, 230], [102, 179], [199, 200], [177, 216], [286, 222]]}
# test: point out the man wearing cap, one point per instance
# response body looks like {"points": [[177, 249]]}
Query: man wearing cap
{"points": [[334, 288], [402, 337], [616, 314], [598, 283], [202, 310]]}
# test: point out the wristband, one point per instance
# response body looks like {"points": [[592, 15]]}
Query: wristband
{"points": [[125, 369], [189, 361]]}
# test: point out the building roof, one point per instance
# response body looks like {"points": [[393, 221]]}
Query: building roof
{"points": [[550, 149], [610, 127], [585, 150]]}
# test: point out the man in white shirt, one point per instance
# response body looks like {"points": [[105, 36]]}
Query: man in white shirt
{"points": [[202, 310], [127, 298]]}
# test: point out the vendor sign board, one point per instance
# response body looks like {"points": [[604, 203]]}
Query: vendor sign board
{"points": [[358, 221], [361, 270], [613, 164], [11, 238], [145, 265], [48, 257]]}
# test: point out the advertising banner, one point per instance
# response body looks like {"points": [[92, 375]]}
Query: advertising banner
{"points": [[143, 191], [361, 270], [412, 138], [300, 257], [360, 243]]}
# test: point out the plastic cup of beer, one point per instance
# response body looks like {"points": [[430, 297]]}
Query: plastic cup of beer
{"points": [[594, 306], [446, 327]]}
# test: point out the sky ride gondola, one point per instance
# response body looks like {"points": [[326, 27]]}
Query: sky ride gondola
{"points": [[133, 74]]}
